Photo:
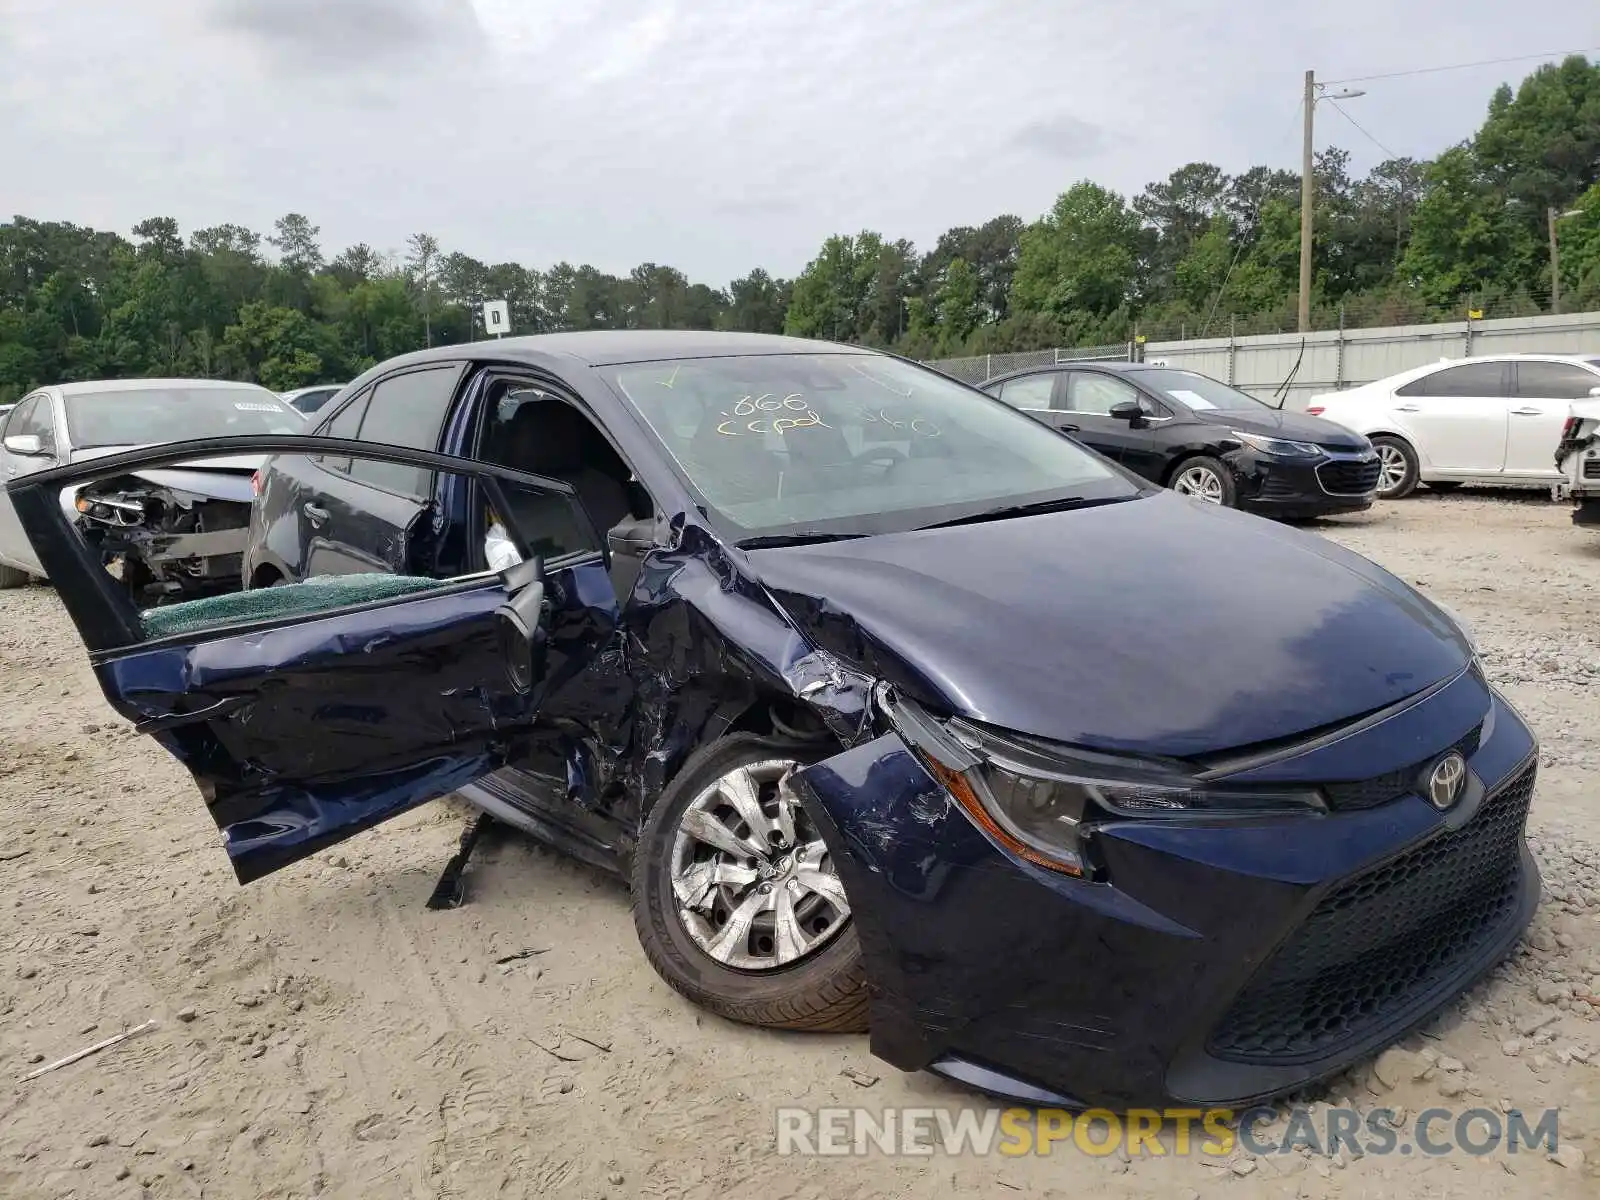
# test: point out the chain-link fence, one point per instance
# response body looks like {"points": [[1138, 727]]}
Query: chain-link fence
{"points": [[981, 368]]}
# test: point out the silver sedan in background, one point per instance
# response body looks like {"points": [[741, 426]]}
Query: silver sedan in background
{"points": [[172, 533]]}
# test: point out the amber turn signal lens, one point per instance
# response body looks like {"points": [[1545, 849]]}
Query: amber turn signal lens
{"points": [[960, 787]]}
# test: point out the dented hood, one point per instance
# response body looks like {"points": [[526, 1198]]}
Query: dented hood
{"points": [[1158, 625]]}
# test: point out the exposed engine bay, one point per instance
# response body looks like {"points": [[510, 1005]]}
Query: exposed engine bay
{"points": [[166, 542]]}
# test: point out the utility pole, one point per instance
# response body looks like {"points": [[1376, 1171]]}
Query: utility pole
{"points": [[1308, 197], [1555, 262], [1308, 186]]}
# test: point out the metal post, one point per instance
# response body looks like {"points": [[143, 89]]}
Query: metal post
{"points": [[1308, 190], [988, 366], [1233, 324], [1338, 358], [1555, 264]]}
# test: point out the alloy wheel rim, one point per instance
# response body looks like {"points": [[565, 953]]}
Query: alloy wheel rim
{"points": [[755, 886], [1391, 468], [1200, 482]]}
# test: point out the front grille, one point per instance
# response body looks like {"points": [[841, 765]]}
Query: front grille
{"points": [[1383, 938], [1591, 468], [1380, 789], [1349, 477]]}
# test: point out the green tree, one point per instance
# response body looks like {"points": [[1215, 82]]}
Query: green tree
{"points": [[831, 296], [422, 262], [959, 303], [1540, 146], [277, 347], [1580, 253], [1464, 240], [1079, 262], [757, 303]]}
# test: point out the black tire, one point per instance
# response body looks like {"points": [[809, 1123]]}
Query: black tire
{"points": [[14, 577], [1443, 486], [1387, 446], [1215, 468], [824, 991]]}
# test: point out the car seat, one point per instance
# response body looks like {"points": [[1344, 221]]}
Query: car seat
{"points": [[551, 438]]}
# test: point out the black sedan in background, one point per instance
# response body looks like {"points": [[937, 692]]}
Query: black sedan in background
{"points": [[1202, 438]]}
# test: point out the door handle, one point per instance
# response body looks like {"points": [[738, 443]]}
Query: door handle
{"points": [[1527, 412], [1067, 428], [1407, 408], [315, 513]]}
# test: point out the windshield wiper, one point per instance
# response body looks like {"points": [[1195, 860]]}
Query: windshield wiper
{"points": [[805, 537], [1021, 510]]}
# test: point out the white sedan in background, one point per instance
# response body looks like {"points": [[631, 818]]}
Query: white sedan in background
{"points": [[1494, 419]]}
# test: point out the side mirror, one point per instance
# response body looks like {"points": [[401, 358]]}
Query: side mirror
{"points": [[25, 445], [1127, 410], [1595, 392]]}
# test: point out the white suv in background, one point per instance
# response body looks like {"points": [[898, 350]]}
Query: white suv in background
{"points": [[1495, 419]]}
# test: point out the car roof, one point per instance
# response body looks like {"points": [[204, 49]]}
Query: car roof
{"points": [[91, 386], [610, 347]]}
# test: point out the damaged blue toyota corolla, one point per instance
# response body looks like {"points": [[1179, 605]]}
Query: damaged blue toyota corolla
{"points": [[898, 709]]}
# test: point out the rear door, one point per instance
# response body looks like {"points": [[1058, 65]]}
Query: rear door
{"points": [[1031, 394], [1542, 394], [311, 711], [1456, 417], [356, 521]]}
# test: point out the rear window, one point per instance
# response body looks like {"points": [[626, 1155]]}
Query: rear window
{"points": [[140, 416]]}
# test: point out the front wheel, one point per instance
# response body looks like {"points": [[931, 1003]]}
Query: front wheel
{"points": [[1397, 468], [736, 899], [1204, 479]]}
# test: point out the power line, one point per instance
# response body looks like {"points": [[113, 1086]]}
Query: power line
{"points": [[1487, 62], [1256, 216], [1361, 128]]}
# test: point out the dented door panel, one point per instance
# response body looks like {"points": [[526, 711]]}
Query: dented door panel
{"points": [[302, 735]]}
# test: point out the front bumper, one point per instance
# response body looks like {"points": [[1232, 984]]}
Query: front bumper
{"points": [[1223, 961], [1303, 487]]}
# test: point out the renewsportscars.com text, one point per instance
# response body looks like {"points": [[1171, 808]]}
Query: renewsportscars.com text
{"points": [[1158, 1133]]}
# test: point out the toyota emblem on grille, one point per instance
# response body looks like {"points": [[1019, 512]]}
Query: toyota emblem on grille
{"points": [[1446, 779]]}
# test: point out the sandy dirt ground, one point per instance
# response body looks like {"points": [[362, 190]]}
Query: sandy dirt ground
{"points": [[322, 1034]]}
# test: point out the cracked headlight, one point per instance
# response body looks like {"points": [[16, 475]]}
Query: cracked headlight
{"points": [[1278, 446], [1041, 800]]}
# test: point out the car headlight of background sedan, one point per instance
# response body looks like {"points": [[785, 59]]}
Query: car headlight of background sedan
{"points": [[1041, 800], [1278, 446]]}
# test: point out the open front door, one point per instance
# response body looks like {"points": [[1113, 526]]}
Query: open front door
{"points": [[312, 710]]}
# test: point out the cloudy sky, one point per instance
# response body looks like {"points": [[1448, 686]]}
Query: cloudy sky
{"points": [[714, 135]]}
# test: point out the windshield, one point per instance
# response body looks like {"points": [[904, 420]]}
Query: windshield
{"points": [[139, 416], [852, 443], [1196, 391]]}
